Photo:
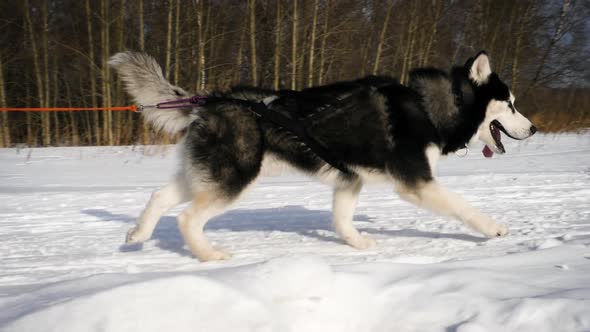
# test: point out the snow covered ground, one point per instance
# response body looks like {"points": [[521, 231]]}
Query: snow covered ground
{"points": [[64, 213]]}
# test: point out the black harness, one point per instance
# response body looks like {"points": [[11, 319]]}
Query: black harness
{"points": [[297, 126]]}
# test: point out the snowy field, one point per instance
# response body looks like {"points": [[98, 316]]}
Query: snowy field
{"points": [[64, 213]]}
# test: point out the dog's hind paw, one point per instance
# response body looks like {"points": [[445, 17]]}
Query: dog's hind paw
{"points": [[214, 255], [361, 242], [135, 236]]}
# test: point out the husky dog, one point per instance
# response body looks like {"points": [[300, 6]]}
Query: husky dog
{"points": [[377, 128]]}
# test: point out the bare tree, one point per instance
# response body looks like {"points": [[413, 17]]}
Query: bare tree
{"points": [[36, 64], [168, 39], [201, 42], [312, 38], [520, 35], [240, 56], [410, 42], [565, 8], [382, 36], [254, 69], [177, 44], [437, 10], [4, 128], [277, 54], [277, 44], [294, 48], [92, 74], [106, 75], [74, 135], [323, 43], [45, 117]]}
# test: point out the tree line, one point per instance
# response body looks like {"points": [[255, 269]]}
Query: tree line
{"points": [[54, 53]]}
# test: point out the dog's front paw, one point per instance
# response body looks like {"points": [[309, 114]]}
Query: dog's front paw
{"points": [[361, 242], [496, 230], [134, 235], [214, 255]]}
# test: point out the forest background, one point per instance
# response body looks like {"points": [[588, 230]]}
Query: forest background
{"points": [[54, 53]]}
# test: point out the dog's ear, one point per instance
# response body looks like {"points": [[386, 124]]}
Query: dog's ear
{"points": [[479, 68]]}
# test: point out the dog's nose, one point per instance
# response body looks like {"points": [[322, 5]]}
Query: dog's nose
{"points": [[533, 130]]}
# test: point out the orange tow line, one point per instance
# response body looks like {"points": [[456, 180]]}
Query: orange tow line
{"points": [[131, 108]]}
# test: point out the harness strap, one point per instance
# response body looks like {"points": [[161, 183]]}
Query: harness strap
{"points": [[298, 128], [295, 126]]}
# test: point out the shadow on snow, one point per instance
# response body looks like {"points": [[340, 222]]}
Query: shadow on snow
{"points": [[288, 219]]}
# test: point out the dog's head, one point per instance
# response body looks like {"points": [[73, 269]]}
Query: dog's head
{"points": [[500, 113]]}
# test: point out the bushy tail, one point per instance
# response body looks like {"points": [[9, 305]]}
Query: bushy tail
{"points": [[145, 82]]}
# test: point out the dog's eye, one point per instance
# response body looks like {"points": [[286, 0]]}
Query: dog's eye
{"points": [[511, 106]]}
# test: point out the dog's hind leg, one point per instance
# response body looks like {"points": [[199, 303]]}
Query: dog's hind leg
{"points": [[204, 206], [343, 206], [161, 201], [436, 198]]}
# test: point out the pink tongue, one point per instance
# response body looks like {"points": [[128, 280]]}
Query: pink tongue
{"points": [[487, 152]]}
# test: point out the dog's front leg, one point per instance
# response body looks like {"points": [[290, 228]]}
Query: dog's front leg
{"points": [[435, 197], [343, 206]]}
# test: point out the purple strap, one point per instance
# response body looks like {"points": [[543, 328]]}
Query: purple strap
{"points": [[183, 103]]}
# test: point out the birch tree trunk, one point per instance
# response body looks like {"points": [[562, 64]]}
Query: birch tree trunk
{"points": [[4, 128], [382, 39], [177, 43], [36, 66], [496, 27], [128, 128], [118, 116], [438, 6], [144, 128], [409, 44], [238, 74], [165, 137], [92, 74], [58, 135], [168, 39], [312, 44], [254, 69], [74, 135], [208, 39], [413, 29], [323, 43], [31, 139], [277, 55], [365, 48], [141, 26], [514, 13], [518, 45], [302, 54], [106, 82], [45, 116], [87, 138], [200, 33], [294, 48]]}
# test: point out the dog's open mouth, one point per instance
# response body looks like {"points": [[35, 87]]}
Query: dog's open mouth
{"points": [[495, 128]]}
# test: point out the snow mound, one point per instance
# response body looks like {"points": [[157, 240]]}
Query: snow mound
{"points": [[178, 303], [304, 293]]}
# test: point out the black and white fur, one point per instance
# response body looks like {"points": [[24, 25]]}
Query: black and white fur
{"points": [[381, 130]]}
